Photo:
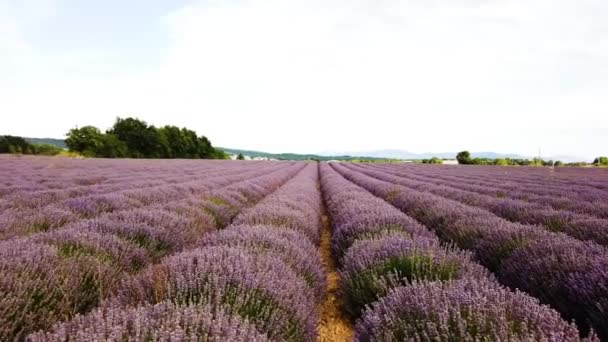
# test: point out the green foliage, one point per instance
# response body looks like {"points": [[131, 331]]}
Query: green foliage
{"points": [[365, 287], [240, 157], [501, 162], [85, 140], [46, 149], [142, 141], [134, 138], [463, 157], [111, 147], [601, 161], [12, 144], [578, 164], [433, 160]]}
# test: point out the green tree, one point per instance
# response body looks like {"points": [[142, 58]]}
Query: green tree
{"points": [[142, 141], [433, 160], [219, 154], [558, 163], [111, 147], [205, 149], [501, 162], [463, 157], [13, 144], [46, 149], [176, 141], [601, 161], [134, 138], [85, 140], [240, 157]]}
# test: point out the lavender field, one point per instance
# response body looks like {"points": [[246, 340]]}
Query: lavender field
{"points": [[193, 250]]}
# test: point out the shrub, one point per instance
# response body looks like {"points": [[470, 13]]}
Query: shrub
{"points": [[463, 310], [162, 322], [291, 247], [463, 157], [38, 287], [106, 248], [372, 267], [567, 274], [259, 288]]}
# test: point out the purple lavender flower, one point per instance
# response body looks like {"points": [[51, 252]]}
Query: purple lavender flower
{"points": [[104, 247], [570, 275], [259, 288], [553, 266], [38, 287], [372, 267], [289, 246], [463, 310], [161, 322]]}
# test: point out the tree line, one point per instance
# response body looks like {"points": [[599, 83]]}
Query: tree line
{"points": [[464, 157], [601, 161], [134, 138], [13, 144]]}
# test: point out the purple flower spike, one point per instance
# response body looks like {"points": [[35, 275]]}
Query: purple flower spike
{"points": [[463, 310], [290, 246], [259, 288], [161, 322]]}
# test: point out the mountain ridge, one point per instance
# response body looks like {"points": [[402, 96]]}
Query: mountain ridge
{"points": [[404, 154]]}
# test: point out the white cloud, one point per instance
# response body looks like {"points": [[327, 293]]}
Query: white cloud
{"points": [[315, 75]]}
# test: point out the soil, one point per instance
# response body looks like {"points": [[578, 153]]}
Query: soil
{"points": [[334, 325]]}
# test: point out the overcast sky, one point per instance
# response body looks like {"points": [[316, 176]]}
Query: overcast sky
{"points": [[315, 75]]}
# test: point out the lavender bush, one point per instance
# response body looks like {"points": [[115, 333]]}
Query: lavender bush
{"points": [[290, 246], [580, 226], [503, 246], [161, 322], [372, 267], [572, 276], [55, 275], [296, 206], [38, 287], [259, 288], [463, 310]]}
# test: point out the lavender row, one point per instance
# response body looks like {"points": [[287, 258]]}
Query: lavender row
{"points": [[162, 322], [35, 175], [568, 274], [20, 223], [90, 181], [253, 282], [587, 177], [579, 184], [37, 200], [398, 280], [565, 199], [579, 226], [576, 186], [52, 276]]}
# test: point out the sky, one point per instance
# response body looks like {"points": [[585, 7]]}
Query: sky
{"points": [[307, 76]]}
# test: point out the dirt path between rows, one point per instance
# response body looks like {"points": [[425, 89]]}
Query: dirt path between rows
{"points": [[334, 325]]}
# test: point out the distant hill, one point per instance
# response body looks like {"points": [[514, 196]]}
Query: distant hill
{"points": [[296, 156], [56, 142], [402, 154]]}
